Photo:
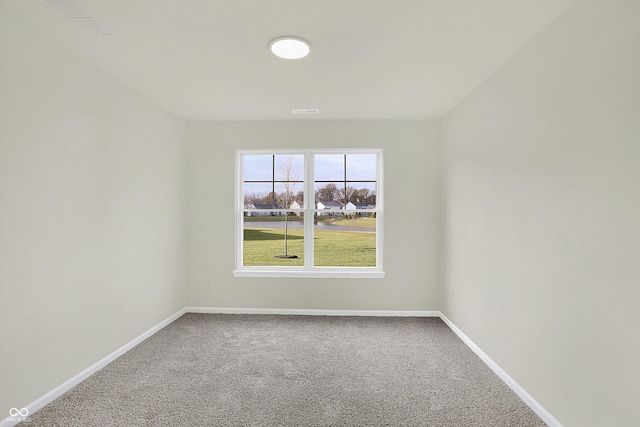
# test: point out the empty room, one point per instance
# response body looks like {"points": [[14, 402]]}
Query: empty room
{"points": [[319, 212]]}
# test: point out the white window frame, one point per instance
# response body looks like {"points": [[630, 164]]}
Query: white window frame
{"points": [[308, 270]]}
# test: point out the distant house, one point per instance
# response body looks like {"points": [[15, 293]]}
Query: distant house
{"points": [[265, 209], [330, 208], [249, 206], [295, 205], [355, 206]]}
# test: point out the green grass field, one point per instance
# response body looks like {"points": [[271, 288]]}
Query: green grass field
{"points": [[332, 248], [360, 221]]}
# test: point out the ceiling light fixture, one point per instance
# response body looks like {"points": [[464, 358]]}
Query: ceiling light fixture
{"points": [[290, 47]]}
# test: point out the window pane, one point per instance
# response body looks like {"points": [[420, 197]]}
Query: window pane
{"points": [[289, 167], [361, 167], [273, 240], [290, 195], [258, 167], [345, 241], [329, 167]]}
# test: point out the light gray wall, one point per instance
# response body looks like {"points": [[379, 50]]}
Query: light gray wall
{"points": [[411, 229], [542, 208], [92, 200]]}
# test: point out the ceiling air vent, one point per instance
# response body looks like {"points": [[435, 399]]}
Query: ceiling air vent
{"points": [[305, 111], [80, 17]]}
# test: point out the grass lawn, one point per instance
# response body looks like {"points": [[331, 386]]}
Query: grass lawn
{"points": [[361, 221], [332, 248]]}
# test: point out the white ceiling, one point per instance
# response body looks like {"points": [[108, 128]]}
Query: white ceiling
{"points": [[370, 59]]}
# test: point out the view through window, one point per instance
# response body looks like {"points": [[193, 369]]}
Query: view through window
{"points": [[309, 210]]}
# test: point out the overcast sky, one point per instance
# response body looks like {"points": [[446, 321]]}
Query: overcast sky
{"points": [[326, 167]]}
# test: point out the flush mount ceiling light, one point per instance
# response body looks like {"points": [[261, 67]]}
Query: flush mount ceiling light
{"points": [[290, 47]]}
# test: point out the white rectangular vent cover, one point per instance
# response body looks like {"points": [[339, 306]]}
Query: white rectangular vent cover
{"points": [[305, 111], [80, 17]]}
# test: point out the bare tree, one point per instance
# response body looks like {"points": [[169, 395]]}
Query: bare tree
{"points": [[328, 193], [251, 198], [289, 172], [285, 199], [361, 195], [371, 198], [346, 194], [270, 199]]}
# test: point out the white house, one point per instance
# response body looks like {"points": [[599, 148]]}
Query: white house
{"points": [[332, 208], [249, 206], [357, 205], [296, 205], [264, 209]]}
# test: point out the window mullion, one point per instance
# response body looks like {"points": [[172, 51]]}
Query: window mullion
{"points": [[309, 203]]}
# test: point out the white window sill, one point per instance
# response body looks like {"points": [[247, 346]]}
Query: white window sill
{"points": [[329, 274]]}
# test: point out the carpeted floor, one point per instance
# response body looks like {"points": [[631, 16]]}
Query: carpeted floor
{"points": [[268, 370]]}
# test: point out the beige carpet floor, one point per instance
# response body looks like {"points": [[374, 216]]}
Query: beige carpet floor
{"points": [[269, 370]]}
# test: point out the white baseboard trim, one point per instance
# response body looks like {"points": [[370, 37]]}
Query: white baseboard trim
{"points": [[521, 392], [72, 382], [313, 312]]}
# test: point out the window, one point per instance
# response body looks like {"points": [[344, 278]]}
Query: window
{"points": [[309, 213]]}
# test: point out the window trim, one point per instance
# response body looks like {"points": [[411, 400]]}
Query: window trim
{"points": [[308, 270]]}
